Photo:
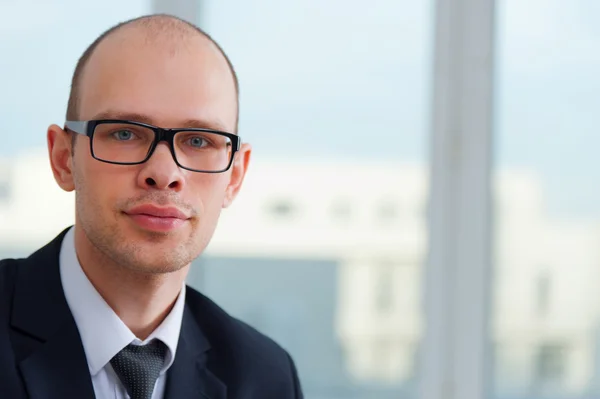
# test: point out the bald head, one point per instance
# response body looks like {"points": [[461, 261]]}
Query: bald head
{"points": [[164, 30]]}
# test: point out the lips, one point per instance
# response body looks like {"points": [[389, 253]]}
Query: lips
{"points": [[157, 219], [158, 212]]}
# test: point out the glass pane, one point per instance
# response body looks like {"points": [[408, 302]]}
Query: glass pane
{"points": [[324, 246], [323, 249], [38, 53], [546, 314]]}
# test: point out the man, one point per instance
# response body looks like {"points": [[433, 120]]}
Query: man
{"points": [[150, 148]]}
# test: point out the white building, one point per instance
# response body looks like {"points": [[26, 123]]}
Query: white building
{"points": [[370, 218]]}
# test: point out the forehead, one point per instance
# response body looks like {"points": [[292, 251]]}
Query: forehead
{"points": [[167, 80]]}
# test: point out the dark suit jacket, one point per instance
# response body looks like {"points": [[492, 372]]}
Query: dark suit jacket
{"points": [[41, 354]]}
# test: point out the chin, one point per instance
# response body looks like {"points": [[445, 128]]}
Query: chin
{"points": [[154, 269], [159, 264], [157, 254]]}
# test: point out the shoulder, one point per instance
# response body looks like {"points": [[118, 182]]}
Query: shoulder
{"points": [[6, 265], [222, 328], [243, 349], [8, 277], [8, 271]]}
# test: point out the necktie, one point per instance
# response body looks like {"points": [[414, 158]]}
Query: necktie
{"points": [[138, 367]]}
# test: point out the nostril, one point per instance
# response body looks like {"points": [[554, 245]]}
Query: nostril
{"points": [[150, 181], [174, 184]]}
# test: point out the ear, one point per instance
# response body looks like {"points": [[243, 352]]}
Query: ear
{"points": [[61, 157], [238, 172]]}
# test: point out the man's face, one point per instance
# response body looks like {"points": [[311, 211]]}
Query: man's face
{"points": [[167, 84]]}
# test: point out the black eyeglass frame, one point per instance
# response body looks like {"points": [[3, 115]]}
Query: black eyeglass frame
{"points": [[87, 128]]}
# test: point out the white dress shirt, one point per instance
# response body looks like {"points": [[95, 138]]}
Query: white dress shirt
{"points": [[103, 334]]}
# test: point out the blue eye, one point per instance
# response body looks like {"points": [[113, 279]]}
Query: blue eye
{"points": [[197, 142], [123, 135]]}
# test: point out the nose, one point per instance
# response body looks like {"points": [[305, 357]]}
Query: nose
{"points": [[161, 172]]}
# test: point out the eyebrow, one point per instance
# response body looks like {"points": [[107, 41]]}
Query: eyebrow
{"points": [[136, 117]]}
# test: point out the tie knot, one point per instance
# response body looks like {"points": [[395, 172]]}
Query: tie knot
{"points": [[138, 367]]}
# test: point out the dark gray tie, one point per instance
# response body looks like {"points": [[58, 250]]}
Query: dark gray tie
{"points": [[138, 368]]}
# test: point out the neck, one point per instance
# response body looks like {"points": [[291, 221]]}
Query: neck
{"points": [[141, 300]]}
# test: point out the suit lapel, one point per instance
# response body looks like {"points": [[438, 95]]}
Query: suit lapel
{"points": [[47, 344], [58, 368], [189, 375]]}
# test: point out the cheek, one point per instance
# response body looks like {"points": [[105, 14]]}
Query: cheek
{"points": [[209, 195], [98, 190]]}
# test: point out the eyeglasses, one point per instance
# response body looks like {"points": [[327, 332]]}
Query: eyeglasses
{"points": [[131, 143]]}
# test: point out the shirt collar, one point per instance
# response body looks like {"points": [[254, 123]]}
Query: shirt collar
{"points": [[103, 333]]}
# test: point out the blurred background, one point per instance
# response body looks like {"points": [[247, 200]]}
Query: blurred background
{"points": [[326, 248]]}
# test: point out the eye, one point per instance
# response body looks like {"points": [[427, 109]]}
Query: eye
{"points": [[123, 135], [197, 141]]}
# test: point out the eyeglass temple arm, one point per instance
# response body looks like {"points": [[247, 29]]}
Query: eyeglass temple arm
{"points": [[79, 127]]}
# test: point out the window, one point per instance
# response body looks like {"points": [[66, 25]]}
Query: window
{"points": [[546, 319], [21, 66], [281, 209], [4, 191], [329, 80], [4, 181], [341, 212], [543, 294], [385, 288], [550, 369], [326, 84], [387, 212]]}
